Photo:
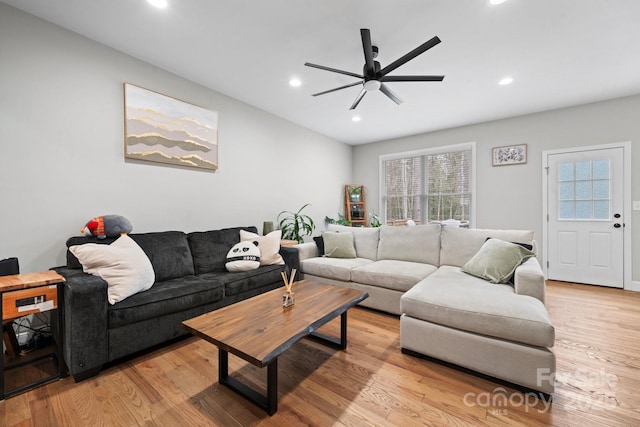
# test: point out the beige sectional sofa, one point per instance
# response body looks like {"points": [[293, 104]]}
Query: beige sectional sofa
{"points": [[501, 330]]}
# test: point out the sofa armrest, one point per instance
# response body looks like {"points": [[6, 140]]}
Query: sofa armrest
{"points": [[529, 279], [85, 338], [307, 250]]}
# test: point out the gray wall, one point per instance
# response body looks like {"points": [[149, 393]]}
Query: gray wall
{"points": [[511, 196], [61, 150]]}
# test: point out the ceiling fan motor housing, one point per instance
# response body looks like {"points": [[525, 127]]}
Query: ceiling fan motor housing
{"points": [[376, 72]]}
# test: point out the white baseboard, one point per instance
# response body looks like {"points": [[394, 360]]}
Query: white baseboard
{"points": [[635, 286]]}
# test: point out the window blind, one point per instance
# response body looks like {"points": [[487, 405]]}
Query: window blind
{"points": [[428, 187]]}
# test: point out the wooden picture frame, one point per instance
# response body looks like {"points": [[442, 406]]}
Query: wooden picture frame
{"points": [[162, 129], [510, 155]]}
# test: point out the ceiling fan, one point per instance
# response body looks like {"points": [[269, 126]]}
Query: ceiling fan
{"points": [[373, 77]]}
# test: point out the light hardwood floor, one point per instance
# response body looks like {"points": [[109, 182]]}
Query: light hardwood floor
{"points": [[371, 383]]}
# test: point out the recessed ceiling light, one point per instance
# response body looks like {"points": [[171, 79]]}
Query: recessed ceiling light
{"points": [[495, 2], [295, 82], [158, 3], [355, 119], [505, 81]]}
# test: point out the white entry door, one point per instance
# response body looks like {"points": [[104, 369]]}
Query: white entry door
{"points": [[585, 229]]}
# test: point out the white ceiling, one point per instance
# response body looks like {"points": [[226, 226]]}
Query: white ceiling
{"points": [[559, 52]]}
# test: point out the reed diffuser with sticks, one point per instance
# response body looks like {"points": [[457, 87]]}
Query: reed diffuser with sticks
{"points": [[289, 298]]}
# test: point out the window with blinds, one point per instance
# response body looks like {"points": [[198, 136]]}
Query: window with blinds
{"points": [[427, 186]]}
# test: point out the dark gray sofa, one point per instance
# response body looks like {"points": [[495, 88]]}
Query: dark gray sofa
{"points": [[191, 279]]}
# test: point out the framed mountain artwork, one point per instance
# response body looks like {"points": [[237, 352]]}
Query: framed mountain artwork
{"points": [[162, 129]]}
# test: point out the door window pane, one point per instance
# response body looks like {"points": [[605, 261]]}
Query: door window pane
{"points": [[584, 190], [565, 172], [567, 210], [583, 170], [601, 169], [601, 189], [601, 210], [567, 191], [584, 210]]}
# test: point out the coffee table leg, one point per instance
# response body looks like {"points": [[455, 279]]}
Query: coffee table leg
{"points": [[268, 403], [272, 387], [341, 343]]}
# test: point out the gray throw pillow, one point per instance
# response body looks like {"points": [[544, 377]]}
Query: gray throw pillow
{"points": [[497, 260], [338, 245]]}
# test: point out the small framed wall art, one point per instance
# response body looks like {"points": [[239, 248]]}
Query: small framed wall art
{"points": [[510, 155], [162, 129]]}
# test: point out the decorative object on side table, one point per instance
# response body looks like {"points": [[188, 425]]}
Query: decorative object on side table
{"points": [[295, 225], [355, 193], [510, 155], [289, 298], [267, 227]]}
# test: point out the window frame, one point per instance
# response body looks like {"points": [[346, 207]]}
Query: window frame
{"points": [[424, 152]]}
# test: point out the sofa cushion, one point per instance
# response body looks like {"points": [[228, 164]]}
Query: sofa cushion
{"points": [[242, 281], [209, 248], [269, 246], [168, 252], [365, 239], [332, 268], [72, 260], [497, 260], [338, 244], [458, 245], [392, 274], [420, 243], [170, 296], [452, 298], [123, 265]]}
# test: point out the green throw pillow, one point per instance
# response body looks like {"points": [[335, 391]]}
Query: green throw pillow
{"points": [[497, 260], [338, 245]]}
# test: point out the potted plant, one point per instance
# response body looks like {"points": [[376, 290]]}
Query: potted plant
{"points": [[374, 220], [354, 194], [295, 225], [340, 221]]}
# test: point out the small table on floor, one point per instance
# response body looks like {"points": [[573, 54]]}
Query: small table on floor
{"points": [[24, 294], [259, 330]]}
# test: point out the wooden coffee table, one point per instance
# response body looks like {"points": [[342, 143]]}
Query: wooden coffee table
{"points": [[259, 330]]}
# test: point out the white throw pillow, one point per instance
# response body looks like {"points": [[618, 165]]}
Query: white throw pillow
{"points": [[243, 256], [122, 264], [269, 246]]}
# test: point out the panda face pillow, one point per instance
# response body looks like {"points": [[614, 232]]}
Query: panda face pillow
{"points": [[243, 256]]}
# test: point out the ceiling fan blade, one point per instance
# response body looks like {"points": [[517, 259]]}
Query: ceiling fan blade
{"points": [[395, 98], [409, 56], [358, 99], [333, 70], [338, 88], [369, 68], [412, 79]]}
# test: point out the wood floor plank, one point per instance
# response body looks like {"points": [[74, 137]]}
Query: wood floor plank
{"points": [[370, 383]]}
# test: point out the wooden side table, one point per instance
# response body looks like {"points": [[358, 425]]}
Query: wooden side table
{"points": [[24, 294], [288, 243]]}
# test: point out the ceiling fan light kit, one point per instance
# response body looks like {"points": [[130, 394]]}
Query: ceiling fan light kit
{"points": [[373, 78]]}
